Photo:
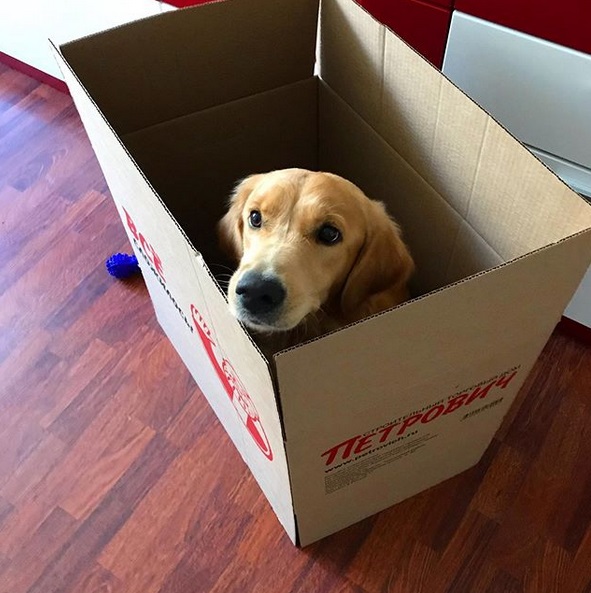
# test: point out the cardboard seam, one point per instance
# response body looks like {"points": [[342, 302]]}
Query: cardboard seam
{"points": [[478, 164], [383, 75], [452, 253], [437, 120], [318, 122], [470, 198], [132, 134], [455, 249], [437, 290]]}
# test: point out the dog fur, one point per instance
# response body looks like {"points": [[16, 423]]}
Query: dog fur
{"points": [[314, 253]]}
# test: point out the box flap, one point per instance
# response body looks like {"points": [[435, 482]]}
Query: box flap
{"points": [[444, 247], [183, 61], [464, 156]]}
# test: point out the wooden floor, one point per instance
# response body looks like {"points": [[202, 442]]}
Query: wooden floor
{"points": [[115, 480]]}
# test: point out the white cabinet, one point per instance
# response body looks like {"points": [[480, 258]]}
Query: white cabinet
{"points": [[26, 26], [540, 91]]}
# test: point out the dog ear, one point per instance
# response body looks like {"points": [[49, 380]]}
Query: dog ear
{"points": [[231, 226], [379, 276]]}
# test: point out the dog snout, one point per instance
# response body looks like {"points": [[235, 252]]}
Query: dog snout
{"points": [[259, 294]]}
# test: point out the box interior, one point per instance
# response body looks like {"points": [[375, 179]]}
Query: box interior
{"points": [[307, 125], [440, 169]]}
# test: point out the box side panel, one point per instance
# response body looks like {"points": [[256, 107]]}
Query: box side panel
{"points": [[187, 60], [452, 143], [194, 162], [460, 350], [194, 314], [235, 384], [443, 245], [406, 453]]}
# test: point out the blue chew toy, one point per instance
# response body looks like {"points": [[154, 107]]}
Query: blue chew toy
{"points": [[122, 266]]}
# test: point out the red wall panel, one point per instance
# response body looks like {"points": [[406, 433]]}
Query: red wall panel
{"points": [[567, 22], [423, 26], [444, 3], [185, 3]]}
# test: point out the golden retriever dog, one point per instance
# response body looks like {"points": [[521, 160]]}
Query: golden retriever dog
{"points": [[314, 253]]}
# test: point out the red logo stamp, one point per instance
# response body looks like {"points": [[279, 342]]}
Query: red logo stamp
{"points": [[236, 391]]}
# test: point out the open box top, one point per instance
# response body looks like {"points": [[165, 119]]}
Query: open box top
{"points": [[180, 106]]}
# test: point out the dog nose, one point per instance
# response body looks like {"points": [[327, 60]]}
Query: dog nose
{"points": [[259, 294]]}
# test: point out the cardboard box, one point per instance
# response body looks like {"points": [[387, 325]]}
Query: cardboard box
{"points": [[180, 106]]}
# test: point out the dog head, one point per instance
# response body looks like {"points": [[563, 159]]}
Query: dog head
{"points": [[309, 242]]}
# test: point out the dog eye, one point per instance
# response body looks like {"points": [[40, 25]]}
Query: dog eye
{"points": [[255, 219], [328, 234]]}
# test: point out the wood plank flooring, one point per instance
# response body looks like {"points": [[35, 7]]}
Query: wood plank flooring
{"points": [[121, 481]]}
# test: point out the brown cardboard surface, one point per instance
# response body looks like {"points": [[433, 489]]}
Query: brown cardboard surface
{"points": [[184, 61], [196, 178], [429, 351], [477, 319], [180, 106], [382, 463], [431, 226], [455, 147]]}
